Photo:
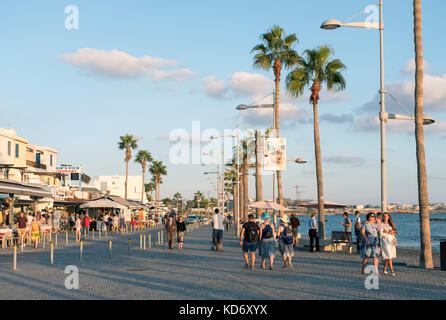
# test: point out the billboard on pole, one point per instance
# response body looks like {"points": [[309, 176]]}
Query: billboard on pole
{"points": [[274, 158]]}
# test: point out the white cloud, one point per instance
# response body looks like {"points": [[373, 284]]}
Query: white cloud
{"points": [[213, 87], [409, 68], [119, 64], [239, 84], [434, 96]]}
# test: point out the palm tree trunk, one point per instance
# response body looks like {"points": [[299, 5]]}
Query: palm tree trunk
{"points": [[277, 70], [126, 176], [259, 186], [245, 194], [143, 191], [425, 235], [242, 196], [235, 201], [320, 187]]}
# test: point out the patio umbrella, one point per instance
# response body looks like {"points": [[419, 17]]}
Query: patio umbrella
{"points": [[268, 205], [102, 203], [327, 205]]}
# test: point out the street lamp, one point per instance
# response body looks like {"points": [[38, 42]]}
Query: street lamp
{"points": [[297, 160], [332, 24]]}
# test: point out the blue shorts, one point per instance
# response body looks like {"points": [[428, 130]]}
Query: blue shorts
{"points": [[249, 246], [217, 234]]}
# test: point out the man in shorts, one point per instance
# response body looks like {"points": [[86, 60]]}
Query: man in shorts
{"points": [[249, 239], [217, 230], [22, 223]]}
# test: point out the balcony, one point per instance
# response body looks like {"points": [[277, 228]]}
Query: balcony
{"points": [[35, 165]]}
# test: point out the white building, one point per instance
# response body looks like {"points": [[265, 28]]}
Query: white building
{"points": [[115, 185]]}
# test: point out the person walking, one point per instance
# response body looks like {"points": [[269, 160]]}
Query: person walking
{"points": [[181, 229], [217, 230], [22, 224], [86, 225], [369, 242], [35, 232], [286, 241], [346, 223], [249, 239], [267, 245], [78, 227], [357, 224], [170, 228], [295, 223], [313, 233], [388, 242], [72, 221]]}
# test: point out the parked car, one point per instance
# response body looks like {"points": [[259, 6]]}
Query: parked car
{"points": [[191, 219]]}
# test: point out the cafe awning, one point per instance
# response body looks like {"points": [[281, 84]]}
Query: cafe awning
{"points": [[24, 189]]}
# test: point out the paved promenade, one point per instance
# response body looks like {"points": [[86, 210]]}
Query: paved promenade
{"points": [[199, 273]]}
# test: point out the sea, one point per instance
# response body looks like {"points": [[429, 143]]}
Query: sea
{"points": [[407, 225]]}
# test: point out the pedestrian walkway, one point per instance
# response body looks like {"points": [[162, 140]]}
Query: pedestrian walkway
{"points": [[199, 273]]}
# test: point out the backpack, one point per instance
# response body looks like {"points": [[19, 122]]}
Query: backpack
{"points": [[268, 232], [252, 233], [287, 235]]}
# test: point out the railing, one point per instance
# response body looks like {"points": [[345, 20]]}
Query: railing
{"points": [[35, 165]]}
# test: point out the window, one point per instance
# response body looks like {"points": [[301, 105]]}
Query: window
{"points": [[51, 160], [9, 148], [16, 150], [37, 157]]}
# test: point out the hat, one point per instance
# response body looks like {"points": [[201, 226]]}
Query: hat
{"points": [[284, 219], [266, 216], [250, 216]]}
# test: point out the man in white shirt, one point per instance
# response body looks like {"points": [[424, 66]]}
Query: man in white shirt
{"points": [[217, 230]]}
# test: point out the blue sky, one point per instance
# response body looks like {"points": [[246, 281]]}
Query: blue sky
{"points": [[56, 92]]}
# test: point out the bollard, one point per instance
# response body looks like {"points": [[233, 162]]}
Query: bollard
{"points": [[44, 240], [14, 259], [162, 237], [159, 241], [93, 234], [51, 235], [106, 234], [140, 242], [81, 249], [56, 240], [66, 238], [150, 241], [21, 244], [130, 244], [144, 243], [99, 233], [110, 248], [51, 253], [85, 233]]}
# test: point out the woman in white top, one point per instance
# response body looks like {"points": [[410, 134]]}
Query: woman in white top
{"points": [[388, 242], [78, 226]]}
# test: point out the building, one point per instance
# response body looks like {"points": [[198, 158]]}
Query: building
{"points": [[115, 185], [12, 153]]}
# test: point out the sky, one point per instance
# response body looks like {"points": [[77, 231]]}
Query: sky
{"points": [[155, 68]]}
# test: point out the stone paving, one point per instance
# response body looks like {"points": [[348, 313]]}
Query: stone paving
{"points": [[199, 273]]}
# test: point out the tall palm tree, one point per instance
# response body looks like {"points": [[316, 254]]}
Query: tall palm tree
{"points": [[315, 69], [177, 196], [244, 168], [158, 170], [142, 157], [275, 52], [425, 233], [198, 196], [127, 143]]}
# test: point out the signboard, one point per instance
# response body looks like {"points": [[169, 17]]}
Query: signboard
{"points": [[274, 156], [59, 193], [65, 169]]}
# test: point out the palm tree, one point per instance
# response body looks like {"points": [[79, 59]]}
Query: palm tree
{"points": [[276, 52], [244, 188], [315, 69], [425, 233], [213, 202], [177, 196], [198, 196], [150, 187], [142, 157], [157, 169], [127, 143]]}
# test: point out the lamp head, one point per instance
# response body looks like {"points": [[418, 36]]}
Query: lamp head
{"points": [[242, 107], [331, 24], [300, 160], [427, 120]]}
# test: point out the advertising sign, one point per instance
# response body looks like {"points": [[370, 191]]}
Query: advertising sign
{"points": [[71, 169], [274, 158]]}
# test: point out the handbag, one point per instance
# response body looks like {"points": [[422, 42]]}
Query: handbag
{"points": [[395, 243]]}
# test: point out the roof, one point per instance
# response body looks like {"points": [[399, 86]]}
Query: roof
{"points": [[91, 189], [120, 200]]}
